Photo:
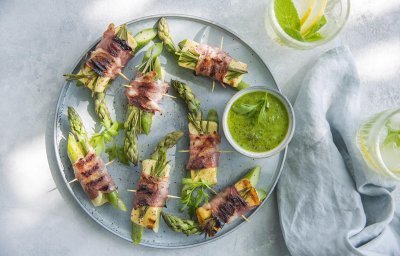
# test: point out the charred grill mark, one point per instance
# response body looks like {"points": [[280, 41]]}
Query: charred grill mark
{"points": [[212, 225], [203, 151], [123, 44], [92, 170], [83, 161], [99, 64], [93, 183], [104, 188], [234, 203], [152, 191]]}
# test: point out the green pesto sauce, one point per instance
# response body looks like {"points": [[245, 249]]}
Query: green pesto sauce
{"points": [[259, 136]]}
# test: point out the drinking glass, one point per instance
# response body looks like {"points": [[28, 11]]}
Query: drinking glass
{"points": [[311, 14], [378, 140]]}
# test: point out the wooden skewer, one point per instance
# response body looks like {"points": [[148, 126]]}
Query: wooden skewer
{"points": [[244, 217], [124, 76], [171, 96], [112, 161], [169, 196], [72, 181], [220, 151]]}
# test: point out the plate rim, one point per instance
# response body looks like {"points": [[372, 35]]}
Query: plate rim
{"points": [[61, 96]]}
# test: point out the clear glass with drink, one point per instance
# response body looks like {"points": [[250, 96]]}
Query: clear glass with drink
{"points": [[378, 140], [305, 24]]}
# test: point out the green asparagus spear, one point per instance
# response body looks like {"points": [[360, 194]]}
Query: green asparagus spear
{"points": [[113, 198], [102, 110], [79, 146], [169, 141], [131, 130], [188, 227], [164, 35], [144, 37], [193, 104], [137, 233], [212, 115], [78, 129], [75, 151], [160, 153]]}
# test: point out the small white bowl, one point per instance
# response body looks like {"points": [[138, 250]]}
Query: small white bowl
{"points": [[284, 142]]}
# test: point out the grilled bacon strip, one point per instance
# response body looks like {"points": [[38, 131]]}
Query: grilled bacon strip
{"points": [[152, 191], [203, 151], [213, 62], [146, 92], [93, 176], [110, 55]]}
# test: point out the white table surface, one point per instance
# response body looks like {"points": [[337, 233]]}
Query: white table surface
{"points": [[41, 40]]}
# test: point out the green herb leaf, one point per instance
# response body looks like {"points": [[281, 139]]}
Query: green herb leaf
{"points": [[287, 16], [100, 139], [288, 19], [312, 34], [194, 193], [251, 109], [393, 136], [245, 109], [117, 152]]}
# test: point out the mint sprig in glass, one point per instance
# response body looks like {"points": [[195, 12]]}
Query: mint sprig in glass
{"points": [[305, 24]]}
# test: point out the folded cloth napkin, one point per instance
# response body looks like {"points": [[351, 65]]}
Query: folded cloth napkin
{"points": [[330, 203]]}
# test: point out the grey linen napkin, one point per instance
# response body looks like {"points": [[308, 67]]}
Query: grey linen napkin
{"points": [[329, 202]]}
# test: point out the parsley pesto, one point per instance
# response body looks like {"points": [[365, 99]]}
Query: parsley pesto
{"points": [[258, 121]]}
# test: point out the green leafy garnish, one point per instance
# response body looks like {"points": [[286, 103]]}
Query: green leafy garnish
{"points": [[117, 152], [251, 110], [161, 162], [288, 19], [194, 193], [393, 136], [150, 57], [100, 139]]}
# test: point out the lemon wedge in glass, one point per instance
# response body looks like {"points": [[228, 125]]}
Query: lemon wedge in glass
{"points": [[317, 10]]}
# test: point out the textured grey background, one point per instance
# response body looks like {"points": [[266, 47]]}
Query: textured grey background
{"points": [[41, 40]]}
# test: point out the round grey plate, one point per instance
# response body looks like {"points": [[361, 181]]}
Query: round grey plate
{"points": [[232, 165]]}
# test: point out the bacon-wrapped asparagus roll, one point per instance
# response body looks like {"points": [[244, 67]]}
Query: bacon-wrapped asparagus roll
{"points": [[203, 135], [152, 190], [105, 63], [144, 94], [204, 59], [229, 204], [89, 169], [234, 201]]}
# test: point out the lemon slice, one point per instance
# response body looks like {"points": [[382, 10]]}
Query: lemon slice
{"points": [[316, 12], [304, 8]]}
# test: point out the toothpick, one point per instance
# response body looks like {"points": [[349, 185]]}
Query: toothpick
{"points": [[213, 86], [169, 196], [112, 161], [244, 217], [171, 96], [222, 42], [124, 76], [72, 181]]}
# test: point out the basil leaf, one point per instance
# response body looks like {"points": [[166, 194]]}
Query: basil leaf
{"points": [[288, 18], [244, 109], [312, 34]]}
